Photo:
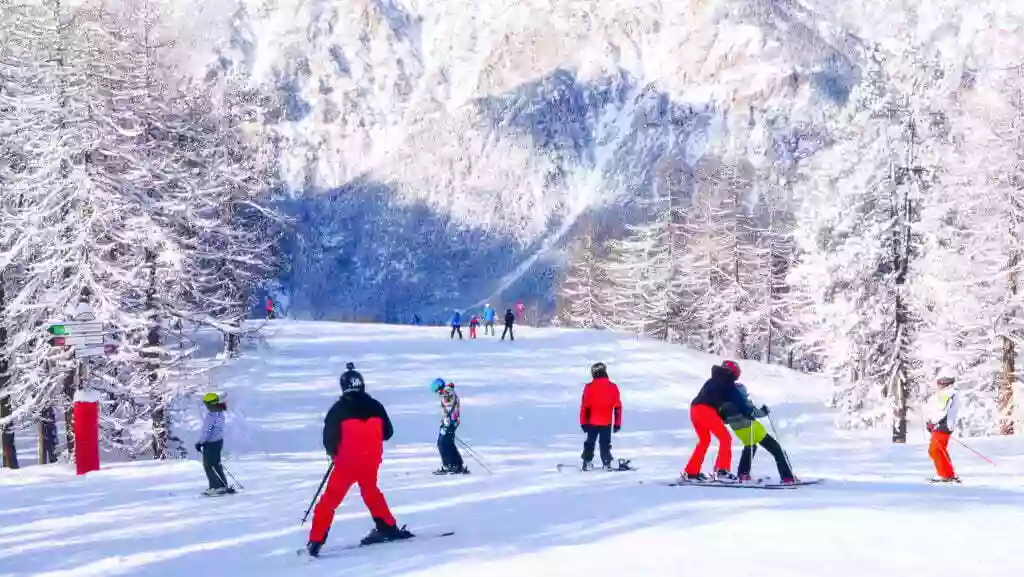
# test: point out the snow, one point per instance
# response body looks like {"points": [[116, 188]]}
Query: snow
{"points": [[874, 514]]}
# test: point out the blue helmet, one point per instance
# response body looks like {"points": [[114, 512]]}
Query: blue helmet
{"points": [[437, 386]]}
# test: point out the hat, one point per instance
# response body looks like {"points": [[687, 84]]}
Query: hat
{"points": [[732, 367], [437, 386], [945, 381], [598, 370], [350, 366], [211, 398]]}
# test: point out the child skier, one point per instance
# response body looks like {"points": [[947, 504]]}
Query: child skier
{"points": [[600, 416], [510, 320], [941, 415], [354, 433], [751, 433], [211, 444], [456, 325], [489, 315], [451, 459], [473, 323], [704, 414], [270, 309]]}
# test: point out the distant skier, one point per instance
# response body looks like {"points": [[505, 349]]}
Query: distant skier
{"points": [[270, 308], [416, 320], [474, 322], [510, 319], [704, 414], [941, 410], [211, 445], [456, 323], [489, 315], [521, 311], [351, 378], [600, 416], [742, 416], [354, 433], [451, 418]]}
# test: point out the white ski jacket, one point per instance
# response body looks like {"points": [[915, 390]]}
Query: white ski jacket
{"points": [[941, 409]]}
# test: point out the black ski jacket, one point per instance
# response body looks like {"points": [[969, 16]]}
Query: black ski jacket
{"points": [[354, 405], [510, 319], [719, 390]]}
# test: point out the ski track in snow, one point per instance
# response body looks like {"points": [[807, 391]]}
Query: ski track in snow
{"points": [[875, 515]]}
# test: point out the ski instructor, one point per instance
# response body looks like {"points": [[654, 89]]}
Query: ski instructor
{"points": [[354, 433], [705, 410]]}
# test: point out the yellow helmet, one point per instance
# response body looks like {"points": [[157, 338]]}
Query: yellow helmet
{"points": [[211, 398]]}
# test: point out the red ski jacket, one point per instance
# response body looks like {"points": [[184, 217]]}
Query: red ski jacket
{"points": [[601, 404], [355, 430]]}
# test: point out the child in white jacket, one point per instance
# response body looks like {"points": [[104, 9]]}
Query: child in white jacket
{"points": [[211, 444], [940, 411]]}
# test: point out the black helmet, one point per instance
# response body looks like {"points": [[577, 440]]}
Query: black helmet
{"points": [[352, 381], [598, 370]]}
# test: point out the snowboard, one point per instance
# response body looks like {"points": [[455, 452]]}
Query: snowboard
{"points": [[759, 484], [329, 551]]}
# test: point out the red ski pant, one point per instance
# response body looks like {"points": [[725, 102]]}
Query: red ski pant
{"points": [[706, 422], [938, 450], [342, 478], [472, 331]]}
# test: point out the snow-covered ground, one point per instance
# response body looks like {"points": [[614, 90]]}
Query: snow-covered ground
{"points": [[874, 515]]}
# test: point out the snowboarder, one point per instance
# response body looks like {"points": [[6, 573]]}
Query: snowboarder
{"points": [[354, 433], [704, 414], [351, 378], [474, 322], [510, 319], [451, 418], [456, 323], [211, 444], [941, 412], [489, 315], [270, 309], [600, 416], [742, 417]]}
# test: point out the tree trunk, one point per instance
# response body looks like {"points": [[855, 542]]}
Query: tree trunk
{"points": [[7, 448], [48, 436], [1007, 380]]}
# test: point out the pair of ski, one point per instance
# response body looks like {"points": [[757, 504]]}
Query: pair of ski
{"points": [[329, 550], [761, 483], [622, 466]]}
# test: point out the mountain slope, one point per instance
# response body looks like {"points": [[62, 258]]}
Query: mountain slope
{"points": [[519, 411]]}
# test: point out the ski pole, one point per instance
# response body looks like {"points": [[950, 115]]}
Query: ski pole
{"points": [[973, 451], [789, 462], [473, 454], [319, 489], [232, 477]]}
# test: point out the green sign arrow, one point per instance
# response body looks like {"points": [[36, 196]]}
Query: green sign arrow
{"points": [[57, 330]]}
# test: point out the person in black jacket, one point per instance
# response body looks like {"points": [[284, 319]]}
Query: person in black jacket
{"points": [[705, 410], [510, 319], [354, 433]]}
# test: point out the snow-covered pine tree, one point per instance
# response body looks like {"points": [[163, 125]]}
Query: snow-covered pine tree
{"points": [[580, 292]]}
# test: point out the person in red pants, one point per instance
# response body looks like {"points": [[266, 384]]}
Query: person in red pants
{"points": [[354, 433], [705, 410], [942, 408]]}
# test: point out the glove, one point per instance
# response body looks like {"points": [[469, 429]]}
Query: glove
{"points": [[764, 409], [199, 447], [584, 428], [930, 427], [616, 428]]}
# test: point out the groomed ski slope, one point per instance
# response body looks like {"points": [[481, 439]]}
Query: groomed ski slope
{"points": [[874, 515]]}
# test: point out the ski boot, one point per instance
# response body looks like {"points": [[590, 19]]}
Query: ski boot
{"points": [[587, 466], [723, 476], [789, 481], [698, 478], [744, 478], [384, 532], [217, 491], [313, 548], [460, 470], [444, 470], [624, 465]]}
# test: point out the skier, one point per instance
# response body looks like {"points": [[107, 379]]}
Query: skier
{"points": [[600, 416], [351, 378], [451, 418], [354, 433], [489, 315], [704, 414], [742, 417], [456, 325], [473, 323], [521, 309], [416, 320], [941, 410], [510, 319], [211, 444], [270, 309]]}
